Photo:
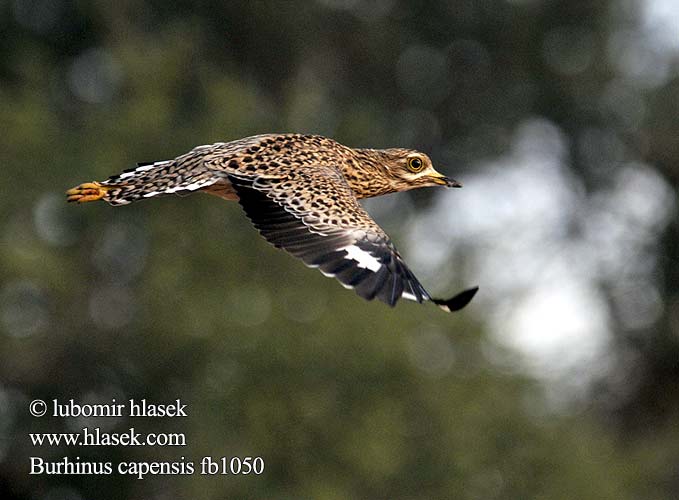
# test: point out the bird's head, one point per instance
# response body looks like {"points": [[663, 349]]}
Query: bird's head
{"points": [[410, 169], [375, 172]]}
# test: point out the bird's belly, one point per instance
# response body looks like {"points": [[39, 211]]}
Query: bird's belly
{"points": [[223, 189]]}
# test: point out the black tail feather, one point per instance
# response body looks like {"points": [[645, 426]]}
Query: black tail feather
{"points": [[458, 301]]}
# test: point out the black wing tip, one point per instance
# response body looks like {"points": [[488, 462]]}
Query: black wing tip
{"points": [[458, 301]]}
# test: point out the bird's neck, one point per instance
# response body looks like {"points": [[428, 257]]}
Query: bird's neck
{"points": [[365, 173]]}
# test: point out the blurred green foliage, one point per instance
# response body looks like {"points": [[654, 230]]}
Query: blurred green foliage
{"points": [[180, 298]]}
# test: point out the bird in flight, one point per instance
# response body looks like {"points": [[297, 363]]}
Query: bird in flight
{"points": [[301, 192]]}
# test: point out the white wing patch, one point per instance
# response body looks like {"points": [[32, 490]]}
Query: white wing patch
{"points": [[364, 259]]}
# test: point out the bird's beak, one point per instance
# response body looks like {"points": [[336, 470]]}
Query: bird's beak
{"points": [[445, 181]]}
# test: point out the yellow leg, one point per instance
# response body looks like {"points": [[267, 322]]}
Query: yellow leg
{"points": [[88, 191]]}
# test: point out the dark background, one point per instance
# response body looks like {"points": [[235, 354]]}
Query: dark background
{"points": [[559, 116]]}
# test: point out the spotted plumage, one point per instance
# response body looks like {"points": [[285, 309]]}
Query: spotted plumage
{"points": [[301, 192]]}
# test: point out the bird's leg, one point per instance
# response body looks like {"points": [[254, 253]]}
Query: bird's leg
{"points": [[88, 191]]}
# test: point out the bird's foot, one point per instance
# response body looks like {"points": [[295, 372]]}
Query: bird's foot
{"points": [[88, 191]]}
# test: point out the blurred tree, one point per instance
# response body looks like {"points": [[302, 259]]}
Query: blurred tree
{"points": [[343, 399]]}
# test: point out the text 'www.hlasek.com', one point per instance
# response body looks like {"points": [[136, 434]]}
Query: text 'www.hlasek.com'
{"points": [[103, 435]]}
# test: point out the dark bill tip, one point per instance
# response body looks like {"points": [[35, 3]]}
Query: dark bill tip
{"points": [[452, 183]]}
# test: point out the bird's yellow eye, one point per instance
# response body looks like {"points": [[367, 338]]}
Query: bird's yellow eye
{"points": [[415, 164]]}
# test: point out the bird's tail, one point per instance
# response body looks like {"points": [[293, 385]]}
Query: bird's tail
{"points": [[145, 181]]}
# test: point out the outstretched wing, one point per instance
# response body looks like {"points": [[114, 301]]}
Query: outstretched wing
{"points": [[312, 213]]}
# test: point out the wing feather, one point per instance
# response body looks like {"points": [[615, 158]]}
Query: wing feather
{"points": [[357, 252]]}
